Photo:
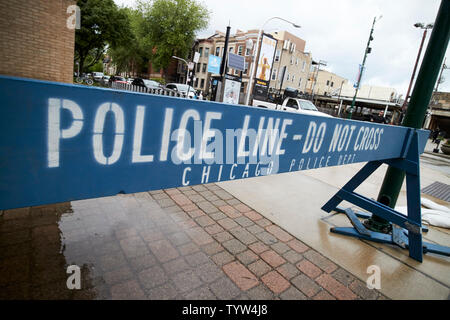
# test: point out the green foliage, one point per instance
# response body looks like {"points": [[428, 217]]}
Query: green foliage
{"points": [[102, 24], [169, 27], [160, 80], [98, 67], [131, 56]]}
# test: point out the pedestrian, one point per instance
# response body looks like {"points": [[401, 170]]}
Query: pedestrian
{"points": [[434, 135], [200, 96]]}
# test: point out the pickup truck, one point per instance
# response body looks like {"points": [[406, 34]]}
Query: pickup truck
{"points": [[292, 105]]}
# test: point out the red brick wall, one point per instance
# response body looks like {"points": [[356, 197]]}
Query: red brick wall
{"points": [[35, 41]]}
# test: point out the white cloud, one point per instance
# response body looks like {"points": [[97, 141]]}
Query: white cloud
{"points": [[337, 32]]}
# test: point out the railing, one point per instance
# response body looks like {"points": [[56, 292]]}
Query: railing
{"points": [[160, 91]]}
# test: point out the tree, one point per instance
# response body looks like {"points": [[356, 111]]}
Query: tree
{"points": [[169, 28], [131, 56], [102, 24]]}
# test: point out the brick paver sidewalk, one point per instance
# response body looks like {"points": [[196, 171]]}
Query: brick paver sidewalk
{"points": [[188, 243]]}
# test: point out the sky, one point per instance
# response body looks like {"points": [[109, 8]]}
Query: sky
{"points": [[337, 32]]}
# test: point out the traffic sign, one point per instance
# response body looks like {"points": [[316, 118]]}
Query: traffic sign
{"points": [[214, 64], [236, 61]]}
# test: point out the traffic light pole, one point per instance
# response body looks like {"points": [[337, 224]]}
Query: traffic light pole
{"points": [[362, 68], [417, 108]]}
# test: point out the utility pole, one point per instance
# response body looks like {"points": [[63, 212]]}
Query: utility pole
{"points": [[444, 66], [368, 50], [320, 63], [417, 108], [223, 66], [425, 27]]}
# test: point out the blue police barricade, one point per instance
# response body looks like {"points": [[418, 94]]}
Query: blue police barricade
{"points": [[63, 142]]}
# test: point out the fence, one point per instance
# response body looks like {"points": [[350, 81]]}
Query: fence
{"points": [[159, 91]]}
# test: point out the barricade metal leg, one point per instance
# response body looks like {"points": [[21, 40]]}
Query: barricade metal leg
{"points": [[406, 231]]}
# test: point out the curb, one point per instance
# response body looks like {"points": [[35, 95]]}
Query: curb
{"points": [[438, 154]]}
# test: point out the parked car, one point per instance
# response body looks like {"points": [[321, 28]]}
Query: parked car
{"points": [[117, 79], [98, 76], [150, 84], [105, 79], [182, 88]]}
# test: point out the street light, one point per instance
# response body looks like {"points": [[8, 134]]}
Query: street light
{"points": [[187, 74], [255, 60], [368, 50], [187, 66], [425, 27]]}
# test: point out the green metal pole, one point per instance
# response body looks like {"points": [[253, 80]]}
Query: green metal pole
{"points": [[362, 69], [417, 108]]}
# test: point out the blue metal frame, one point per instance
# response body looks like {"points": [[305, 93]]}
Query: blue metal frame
{"points": [[406, 230]]}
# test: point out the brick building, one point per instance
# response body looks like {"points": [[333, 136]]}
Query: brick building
{"points": [[289, 53], [439, 112], [215, 45], [35, 40], [326, 83]]}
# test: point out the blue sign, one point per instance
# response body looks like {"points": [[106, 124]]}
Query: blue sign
{"points": [[236, 61], [214, 64], [61, 142]]}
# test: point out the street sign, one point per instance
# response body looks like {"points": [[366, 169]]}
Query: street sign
{"points": [[196, 57], [214, 64], [62, 142], [236, 61]]}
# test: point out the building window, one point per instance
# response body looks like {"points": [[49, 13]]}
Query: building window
{"points": [[328, 82], [293, 78], [288, 77], [236, 72], [200, 50], [277, 55], [274, 74], [299, 82], [292, 60], [198, 67], [245, 67], [202, 83], [296, 62], [204, 67], [240, 50], [332, 84], [247, 51], [231, 49], [303, 66], [196, 83], [206, 52], [217, 51], [293, 46]]}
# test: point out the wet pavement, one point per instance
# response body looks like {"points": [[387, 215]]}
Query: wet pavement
{"points": [[189, 243]]}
